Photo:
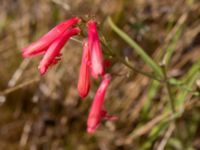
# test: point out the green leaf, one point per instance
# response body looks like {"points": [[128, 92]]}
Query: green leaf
{"points": [[146, 58]]}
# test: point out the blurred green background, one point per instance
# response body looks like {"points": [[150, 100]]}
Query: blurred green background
{"points": [[46, 113]]}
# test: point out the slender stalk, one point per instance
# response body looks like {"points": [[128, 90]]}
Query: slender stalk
{"points": [[135, 69]]}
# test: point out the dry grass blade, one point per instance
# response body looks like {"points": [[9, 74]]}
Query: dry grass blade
{"points": [[17, 87]]}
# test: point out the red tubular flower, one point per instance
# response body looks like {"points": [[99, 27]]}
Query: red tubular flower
{"points": [[41, 45], [96, 111], [95, 49], [53, 52], [84, 75]]}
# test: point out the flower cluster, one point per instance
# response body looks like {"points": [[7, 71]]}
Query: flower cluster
{"points": [[51, 44], [92, 64]]}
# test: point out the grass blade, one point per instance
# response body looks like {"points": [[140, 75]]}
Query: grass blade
{"points": [[171, 48]]}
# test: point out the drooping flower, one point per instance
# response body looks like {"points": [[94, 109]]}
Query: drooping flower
{"points": [[41, 45], [52, 54], [84, 74], [95, 49], [97, 112]]}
